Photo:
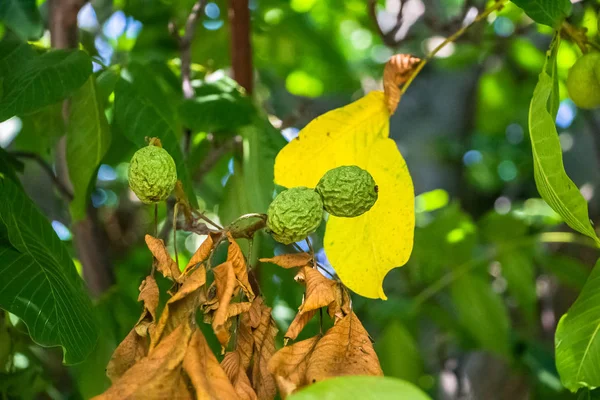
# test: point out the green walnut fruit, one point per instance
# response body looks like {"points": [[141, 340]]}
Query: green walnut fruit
{"points": [[294, 214], [347, 191], [583, 81], [152, 174]]}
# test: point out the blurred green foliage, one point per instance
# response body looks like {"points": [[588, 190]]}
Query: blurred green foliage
{"points": [[493, 267]]}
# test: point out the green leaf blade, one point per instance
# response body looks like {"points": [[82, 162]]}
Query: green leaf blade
{"points": [[44, 80], [360, 388], [13, 52], [547, 12], [481, 313], [23, 17], [42, 286], [88, 140], [217, 107], [552, 182], [577, 340]]}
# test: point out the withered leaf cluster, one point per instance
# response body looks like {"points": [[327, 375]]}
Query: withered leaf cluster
{"points": [[167, 356], [345, 349]]}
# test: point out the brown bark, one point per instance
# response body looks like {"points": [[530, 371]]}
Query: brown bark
{"points": [[241, 49], [88, 238]]}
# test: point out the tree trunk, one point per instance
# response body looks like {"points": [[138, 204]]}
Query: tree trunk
{"points": [[88, 238]]}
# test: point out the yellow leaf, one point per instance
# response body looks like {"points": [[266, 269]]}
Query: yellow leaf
{"points": [[364, 249]]}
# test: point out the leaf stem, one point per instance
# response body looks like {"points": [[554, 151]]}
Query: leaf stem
{"points": [[175, 209], [495, 7], [62, 188], [545, 237]]}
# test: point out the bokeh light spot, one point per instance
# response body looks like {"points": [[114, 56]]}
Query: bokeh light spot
{"points": [[9, 129], [301, 83], [507, 170], [514, 133], [106, 173], [504, 27], [566, 141], [502, 205], [61, 230], [472, 157], [566, 113], [302, 6], [274, 16], [212, 10]]}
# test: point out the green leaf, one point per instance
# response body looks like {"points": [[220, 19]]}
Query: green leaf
{"points": [[398, 353], [88, 139], [499, 228], [218, 106], [569, 271], [361, 388], [43, 81], [39, 282], [138, 117], [13, 53], [577, 339], [41, 130], [22, 17], [9, 165], [517, 269], [449, 240], [481, 313], [105, 83], [261, 143], [547, 12], [552, 182]]}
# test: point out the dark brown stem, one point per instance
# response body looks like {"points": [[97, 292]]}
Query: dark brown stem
{"points": [[213, 157], [185, 51], [241, 49], [89, 240], [48, 169], [388, 38]]}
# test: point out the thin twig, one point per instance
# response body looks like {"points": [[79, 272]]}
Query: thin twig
{"points": [[156, 220], [48, 169], [185, 54], [175, 233], [388, 38], [495, 7], [218, 151], [206, 219], [546, 237]]}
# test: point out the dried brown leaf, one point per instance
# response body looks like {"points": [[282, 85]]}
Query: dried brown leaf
{"points": [[345, 349], [149, 295], [264, 348], [289, 260], [238, 308], [201, 254], [206, 375], [225, 282], [236, 372], [299, 323], [245, 341], [237, 259], [165, 264], [396, 72], [157, 376], [255, 312], [289, 365], [132, 349], [135, 345], [319, 290], [182, 305], [340, 307]]}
